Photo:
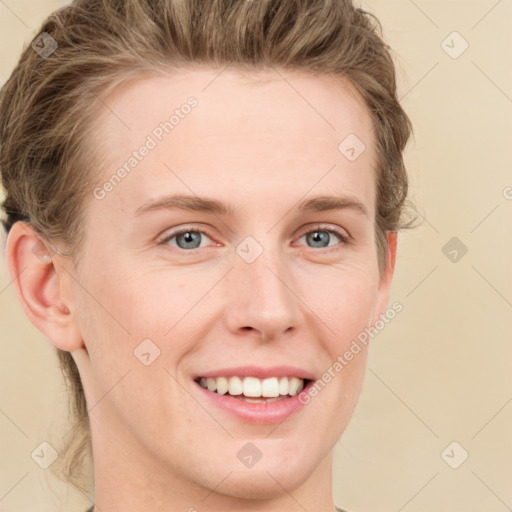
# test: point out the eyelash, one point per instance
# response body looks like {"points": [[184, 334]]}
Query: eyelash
{"points": [[344, 238]]}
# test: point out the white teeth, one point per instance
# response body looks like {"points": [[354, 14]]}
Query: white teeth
{"points": [[235, 386], [211, 384], [252, 387], [283, 386], [222, 385], [293, 386], [272, 387]]}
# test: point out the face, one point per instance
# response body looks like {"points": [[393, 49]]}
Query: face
{"points": [[213, 256]]}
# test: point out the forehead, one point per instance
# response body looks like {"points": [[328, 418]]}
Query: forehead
{"points": [[272, 97], [245, 126]]}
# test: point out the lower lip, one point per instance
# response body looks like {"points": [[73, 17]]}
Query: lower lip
{"points": [[264, 413]]}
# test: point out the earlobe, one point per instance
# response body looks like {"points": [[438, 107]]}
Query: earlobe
{"points": [[391, 254], [40, 286]]}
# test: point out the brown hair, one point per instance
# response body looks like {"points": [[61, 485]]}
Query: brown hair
{"points": [[49, 101]]}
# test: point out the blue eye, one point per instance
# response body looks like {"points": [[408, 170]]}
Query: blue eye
{"points": [[321, 238], [187, 239], [191, 238]]}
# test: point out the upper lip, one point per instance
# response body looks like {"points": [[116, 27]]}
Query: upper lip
{"points": [[260, 372]]}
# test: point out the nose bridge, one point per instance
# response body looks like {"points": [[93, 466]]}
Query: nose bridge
{"points": [[263, 299]]}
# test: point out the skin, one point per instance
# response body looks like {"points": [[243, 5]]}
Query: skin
{"points": [[260, 147]]}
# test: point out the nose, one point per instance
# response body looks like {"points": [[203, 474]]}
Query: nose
{"points": [[263, 298]]}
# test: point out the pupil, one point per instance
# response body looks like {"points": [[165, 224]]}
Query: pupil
{"points": [[318, 236], [189, 237]]}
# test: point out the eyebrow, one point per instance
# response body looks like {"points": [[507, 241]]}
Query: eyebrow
{"points": [[204, 204]]}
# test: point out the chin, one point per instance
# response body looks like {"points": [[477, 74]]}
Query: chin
{"points": [[263, 484]]}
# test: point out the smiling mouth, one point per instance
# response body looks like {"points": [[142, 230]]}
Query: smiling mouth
{"points": [[253, 389]]}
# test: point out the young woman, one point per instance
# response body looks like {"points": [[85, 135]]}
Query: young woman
{"points": [[202, 207]]}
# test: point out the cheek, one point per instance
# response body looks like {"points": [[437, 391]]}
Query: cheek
{"points": [[110, 306], [345, 303], [124, 309], [125, 302], [338, 388], [346, 309]]}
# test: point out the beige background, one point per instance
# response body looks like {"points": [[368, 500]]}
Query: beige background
{"points": [[441, 371]]}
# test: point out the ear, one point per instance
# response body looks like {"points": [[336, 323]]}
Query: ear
{"points": [[42, 286], [386, 278]]}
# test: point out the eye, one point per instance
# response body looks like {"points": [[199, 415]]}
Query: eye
{"points": [[187, 238], [192, 237], [321, 238]]}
